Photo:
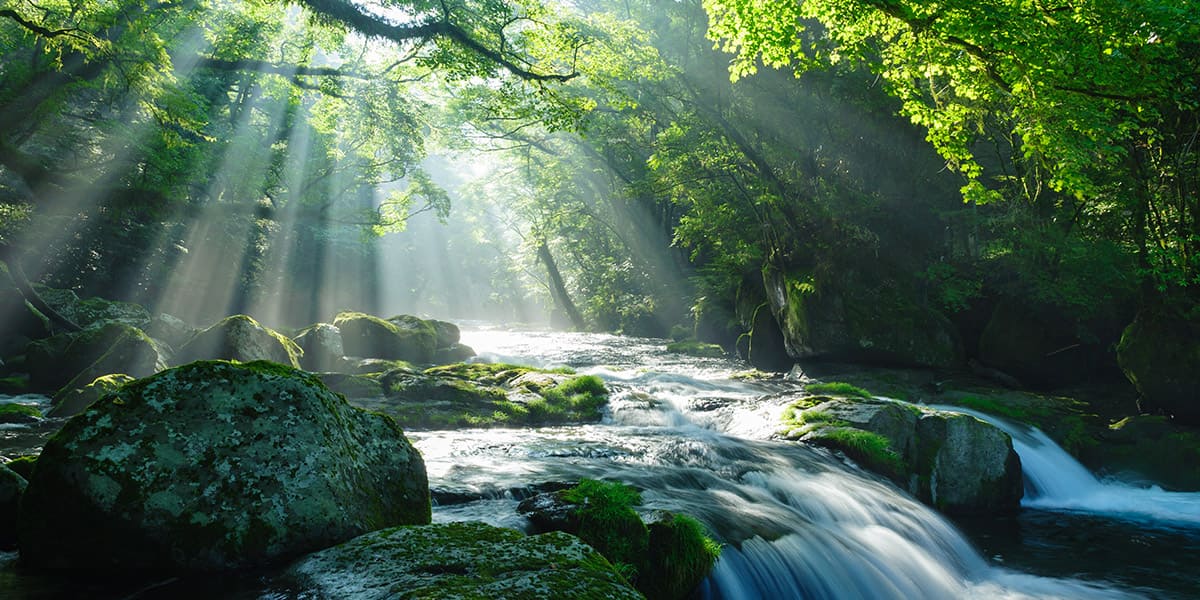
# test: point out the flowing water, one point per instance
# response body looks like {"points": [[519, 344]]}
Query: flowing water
{"points": [[795, 521]]}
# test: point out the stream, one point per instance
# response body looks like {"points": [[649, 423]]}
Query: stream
{"points": [[795, 521]]}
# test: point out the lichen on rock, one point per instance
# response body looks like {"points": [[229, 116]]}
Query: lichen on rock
{"points": [[217, 465]]}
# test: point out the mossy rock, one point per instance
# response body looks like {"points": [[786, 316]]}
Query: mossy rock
{"points": [[73, 360], [953, 462], [12, 486], [766, 349], [458, 560], [1161, 356], [695, 348], [321, 344], [240, 338], [23, 465], [456, 353], [378, 366], [214, 466], [72, 401], [352, 386], [170, 329], [402, 337], [19, 413], [90, 312], [665, 558], [446, 334]]}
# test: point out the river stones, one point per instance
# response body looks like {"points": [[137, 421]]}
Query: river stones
{"points": [[458, 560], [322, 346], [402, 337], [953, 462], [216, 465]]}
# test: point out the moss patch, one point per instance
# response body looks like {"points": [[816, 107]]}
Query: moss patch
{"points": [[837, 388], [870, 449], [695, 348], [19, 413]]}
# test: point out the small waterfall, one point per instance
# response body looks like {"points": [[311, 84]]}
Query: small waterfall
{"points": [[1054, 480]]}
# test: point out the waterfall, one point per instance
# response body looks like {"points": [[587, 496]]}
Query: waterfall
{"points": [[1054, 480]]}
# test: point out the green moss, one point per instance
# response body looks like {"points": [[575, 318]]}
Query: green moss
{"points": [[23, 465], [608, 523], [680, 555], [491, 373], [872, 450], [14, 384], [695, 348], [837, 388], [10, 411]]}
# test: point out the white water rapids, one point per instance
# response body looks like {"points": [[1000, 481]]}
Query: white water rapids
{"points": [[796, 522]]}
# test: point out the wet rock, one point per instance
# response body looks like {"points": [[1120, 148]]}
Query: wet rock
{"points": [[172, 330], [446, 334], [352, 386], [550, 511], [240, 338], [90, 312], [72, 401], [954, 462], [454, 354], [458, 560], [73, 360], [11, 413], [212, 466], [12, 486], [402, 337], [322, 347]]}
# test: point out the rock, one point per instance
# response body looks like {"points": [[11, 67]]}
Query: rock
{"points": [[19, 413], [402, 337], [213, 466], [766, 350], [72, 360], [322, 347], [446, 333], [454, 354], [458, 560], [352, 386], [1159, 354], [172, 330], [240, 338], [72, 401], [375, 366], [858, 318], [93, 311], [715, 322], [23, 465], [550, 511], [12, 486], [954, 462], [678, 557]]}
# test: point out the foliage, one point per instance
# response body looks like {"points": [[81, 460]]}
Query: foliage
{"points": [[608, 523]]}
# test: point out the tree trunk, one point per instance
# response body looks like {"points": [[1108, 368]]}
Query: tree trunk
{"points": [[558, 289]]}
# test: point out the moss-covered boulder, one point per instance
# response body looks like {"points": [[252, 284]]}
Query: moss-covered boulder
{"points": [[665, 557], [458, 560], [11, 412], [72, 401], [89, 312], [72, 360], [240, 338], [23, 465], [1159, 353], [446, 334], [401, 337], [170, 329], [216, 465], [352, 386], [850, 316], [953, 462], [488, 395], [322, 347], [12, 486]]}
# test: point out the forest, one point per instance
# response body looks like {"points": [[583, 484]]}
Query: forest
{"points": [[993, 205]]}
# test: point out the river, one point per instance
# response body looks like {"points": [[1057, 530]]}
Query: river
{"points": [[795, 521]]}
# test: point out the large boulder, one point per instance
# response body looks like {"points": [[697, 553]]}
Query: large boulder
{"points": [[1159, 353], [857, 318], [240, 338], [170, 329], [72, 360], [89, 312], [12, 486], [322, 347], [402, 337], [446, 333], [216, 465], [458, 560], [69, 402], [953, 462]]}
